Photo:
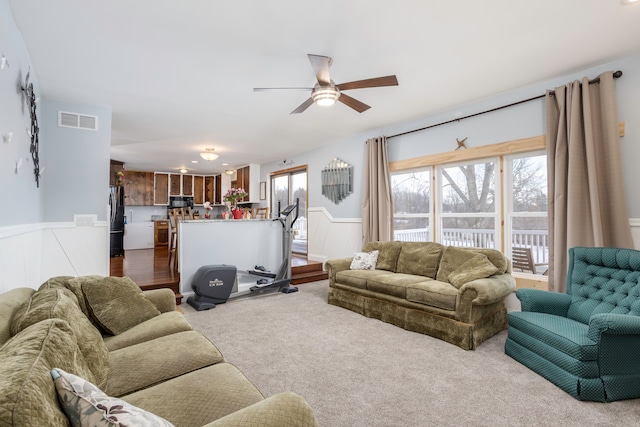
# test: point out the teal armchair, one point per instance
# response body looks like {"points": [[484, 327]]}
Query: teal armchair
{"points": [[587, 341]]}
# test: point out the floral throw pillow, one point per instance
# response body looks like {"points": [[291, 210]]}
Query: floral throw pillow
{"points": [[364, 260], [86, 405]]}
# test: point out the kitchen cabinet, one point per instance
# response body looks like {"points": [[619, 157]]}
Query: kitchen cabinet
{"points": [[187, 185], [210, 189], [198, 190], [161, 233], [161, 189], [138, 188], [247, 178], [138, 235], [175, 185]]}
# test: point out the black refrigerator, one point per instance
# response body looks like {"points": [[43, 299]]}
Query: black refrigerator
{"points": [[116, 202]]}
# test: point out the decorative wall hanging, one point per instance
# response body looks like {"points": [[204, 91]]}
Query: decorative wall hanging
{"points": [[337, 180], [460, 143], [34, 131]]}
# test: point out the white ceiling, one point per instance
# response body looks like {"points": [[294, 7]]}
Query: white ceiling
{"points": [[178, 75]]}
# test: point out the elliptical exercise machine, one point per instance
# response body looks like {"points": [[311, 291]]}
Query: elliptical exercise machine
{"points": [[282, 278]]}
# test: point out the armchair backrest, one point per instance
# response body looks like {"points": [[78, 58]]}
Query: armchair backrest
{"points": [[603, 280]]}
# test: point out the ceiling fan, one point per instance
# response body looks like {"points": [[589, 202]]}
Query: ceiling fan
{"points": [[326, 92]]}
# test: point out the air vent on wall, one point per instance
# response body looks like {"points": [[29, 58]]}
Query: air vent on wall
{"points": [[78, 121]]}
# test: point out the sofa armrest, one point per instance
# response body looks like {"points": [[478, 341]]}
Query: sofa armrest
{"points": [[163, 299], [282, 410], [541, 301], [491, 289], [613, 324], [334, 266]]}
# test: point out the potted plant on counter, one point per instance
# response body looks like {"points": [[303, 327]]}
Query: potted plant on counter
{"points": [[232, 196]]}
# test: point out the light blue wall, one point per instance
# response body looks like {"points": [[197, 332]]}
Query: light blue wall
{"points": [[522, 121], [76, 176], [21, 199]]}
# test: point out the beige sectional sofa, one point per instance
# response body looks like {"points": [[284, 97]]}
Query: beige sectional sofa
{"points": [[136, 349], [454, 294]]}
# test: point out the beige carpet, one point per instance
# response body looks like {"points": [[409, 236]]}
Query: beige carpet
{"points": [[356, 371]]}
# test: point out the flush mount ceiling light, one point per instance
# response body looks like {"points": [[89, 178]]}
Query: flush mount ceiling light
{"points": [[325, 95], [229, 172], [629, 1], [209, 154], [184, 170]]}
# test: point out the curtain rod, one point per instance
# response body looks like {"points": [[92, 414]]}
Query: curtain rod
{"points": [[616, 75]]}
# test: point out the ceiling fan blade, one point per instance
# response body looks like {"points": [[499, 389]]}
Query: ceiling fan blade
{"points": [[320, 65], [353, 103], [303, 106], [375, 82], [263, 89]]}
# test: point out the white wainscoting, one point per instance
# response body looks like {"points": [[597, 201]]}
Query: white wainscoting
{"points": [[635, 231], [32, 253], [330, 238]]}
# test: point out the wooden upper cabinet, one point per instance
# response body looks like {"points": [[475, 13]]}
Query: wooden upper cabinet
{"points": [[209, 189], [174, 185], [198, 190], [187, 185], [138, 188], [246, 182], [161, 189], [218, 189]]}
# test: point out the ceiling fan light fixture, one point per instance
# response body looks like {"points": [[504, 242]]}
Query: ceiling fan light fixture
{"points": [[325, 96], [209, 154]]}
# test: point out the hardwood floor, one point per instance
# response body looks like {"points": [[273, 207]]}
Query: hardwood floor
{"points": [[150, 269]]}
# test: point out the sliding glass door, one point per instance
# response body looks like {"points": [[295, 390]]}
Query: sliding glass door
{"points": [[286, 187]]}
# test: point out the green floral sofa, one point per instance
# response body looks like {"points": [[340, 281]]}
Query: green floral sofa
{"points": [[454, 294], [120, 356]]}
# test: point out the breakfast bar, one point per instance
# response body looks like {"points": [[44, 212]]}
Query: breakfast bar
{"points": [[243, 243]]}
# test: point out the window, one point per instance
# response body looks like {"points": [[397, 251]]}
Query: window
{"points": [[412, 206], [526, 210], [494, 196], [286, 187], [468, 207]]}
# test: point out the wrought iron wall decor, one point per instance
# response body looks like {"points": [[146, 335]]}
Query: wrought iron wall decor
{"points": [[337, 180], [34, 131]]}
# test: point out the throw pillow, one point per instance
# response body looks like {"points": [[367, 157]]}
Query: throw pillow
{"points": [[477, 267], [86, 405], [388, 257], [452, 258], [419, 258], [364, 260], [117, 304]]}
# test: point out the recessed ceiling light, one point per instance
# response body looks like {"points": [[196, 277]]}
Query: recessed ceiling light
{"points": [[194, 161], [629, 1], [225, 164]]}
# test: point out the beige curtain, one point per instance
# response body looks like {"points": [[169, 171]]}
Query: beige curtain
{"points": [[377, 203], [587, 202]]}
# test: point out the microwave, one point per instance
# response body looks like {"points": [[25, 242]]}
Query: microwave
{"points": [[180, 202]]}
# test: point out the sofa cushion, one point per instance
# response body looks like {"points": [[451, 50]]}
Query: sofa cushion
{"points": [[388, 256], [358, 278], [393, 284], [62, 304], [27, 393], [199, 397], [364, 260], [477, 267], [420, 258], [137, 366], [74, 285], [87, 405], [496, 257], [9, 304], [433, 293], [165, 324], [452, 258], [117, 304]]}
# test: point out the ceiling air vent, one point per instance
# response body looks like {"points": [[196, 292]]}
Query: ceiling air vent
{"points": [[78, 121]]}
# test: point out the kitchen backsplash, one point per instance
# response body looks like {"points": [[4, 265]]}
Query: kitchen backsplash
{"points": [[151, 213]]}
